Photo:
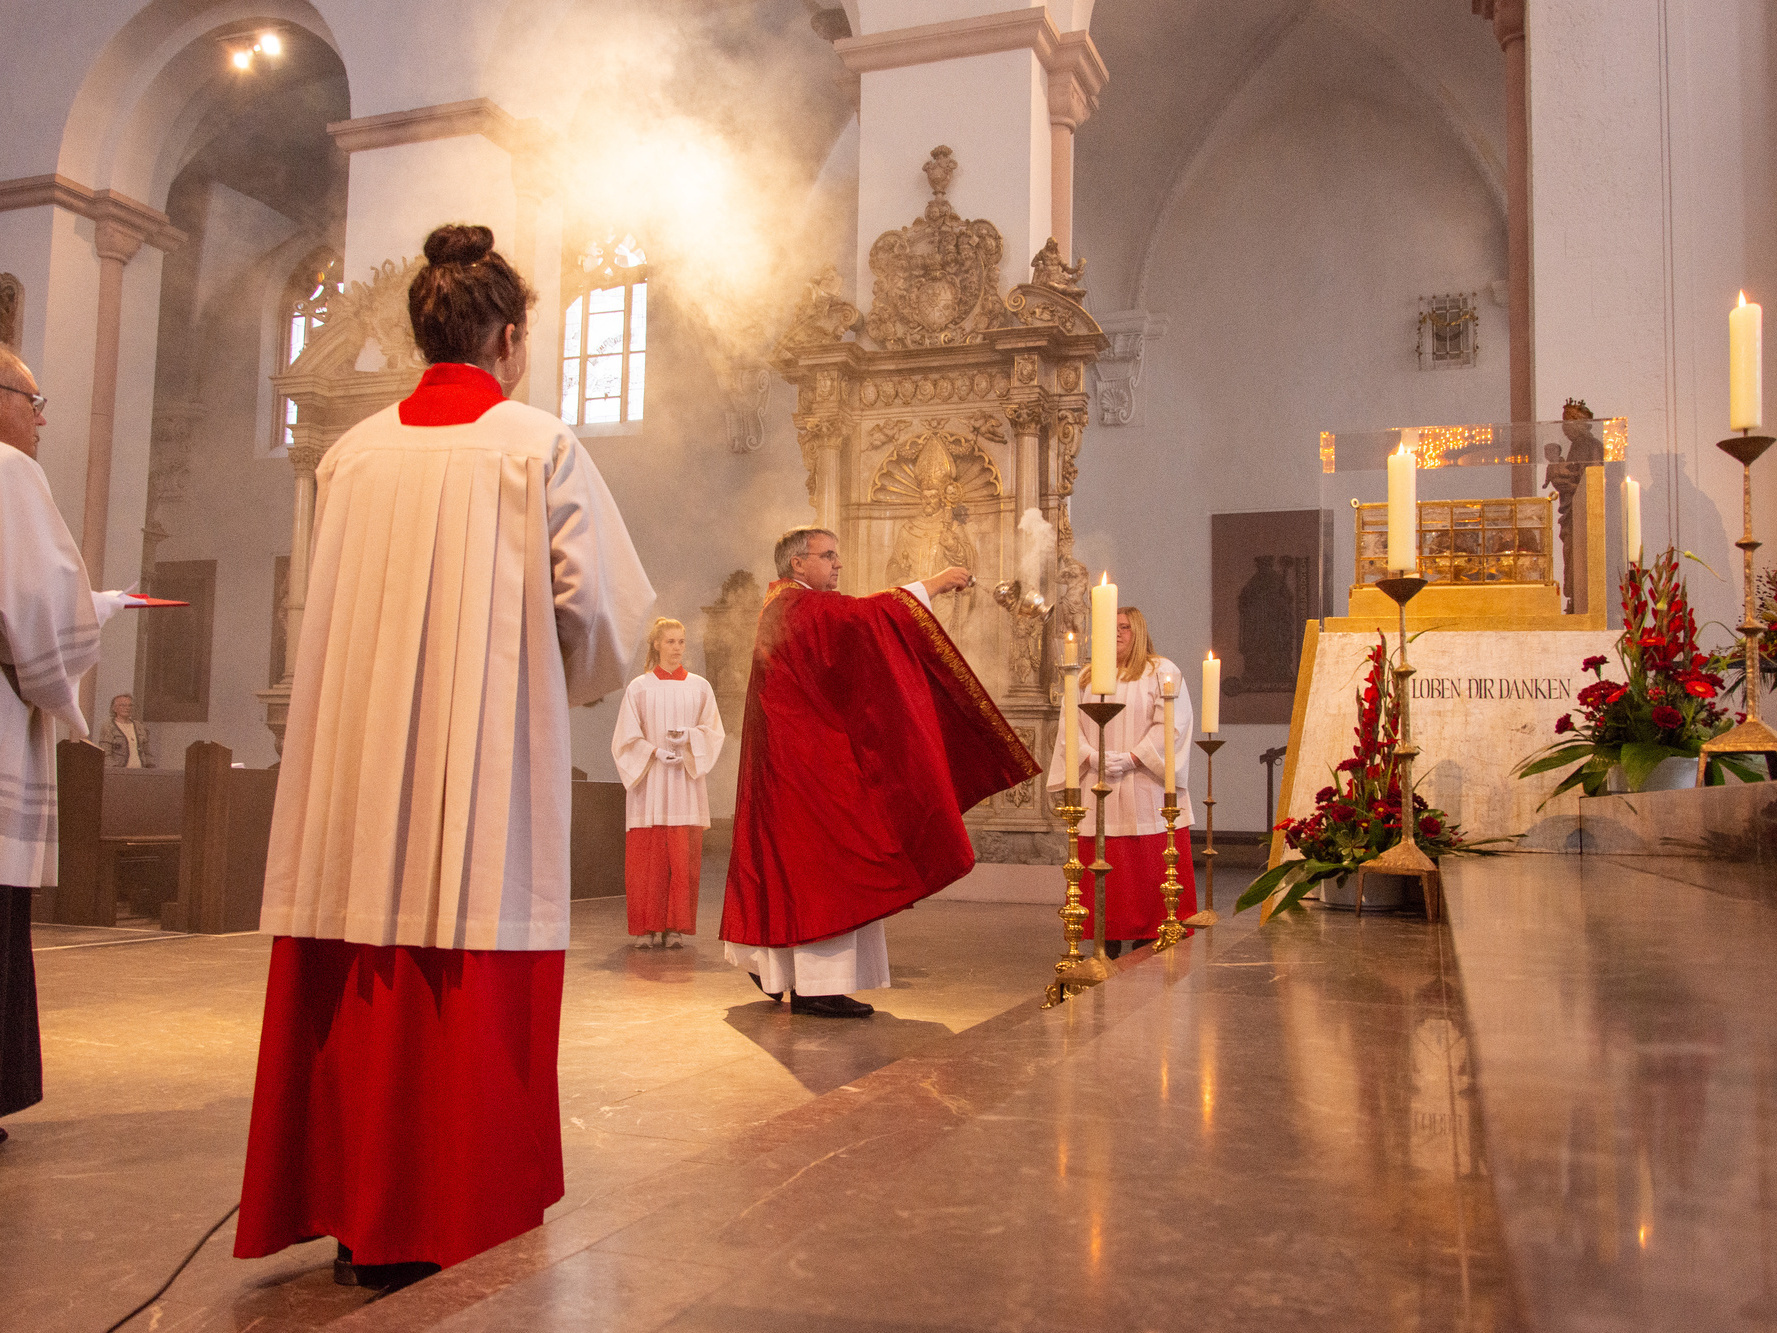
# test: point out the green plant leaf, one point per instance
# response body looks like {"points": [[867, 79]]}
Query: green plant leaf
{"points": [[1266, 884], [1641, 758], [1531, 767]]}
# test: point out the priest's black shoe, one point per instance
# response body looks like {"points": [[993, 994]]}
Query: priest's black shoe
{"points": [[774, 994], [829, 1006], [377, 1277]]}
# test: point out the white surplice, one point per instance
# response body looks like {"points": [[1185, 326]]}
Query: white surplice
{"points": [[469, 585], [856, 960], [1133, 806], [49, 639], [657, 793]]}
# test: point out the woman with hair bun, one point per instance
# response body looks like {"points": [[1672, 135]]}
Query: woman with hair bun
{"points": [[668, 738], [470, 581]]}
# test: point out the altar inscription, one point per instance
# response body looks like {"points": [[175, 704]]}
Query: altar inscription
{"points": [[1482, 703]]}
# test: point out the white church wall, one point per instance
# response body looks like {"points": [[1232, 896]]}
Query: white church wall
{"points": [[399, 194], [1288, 266], [64, 352]]}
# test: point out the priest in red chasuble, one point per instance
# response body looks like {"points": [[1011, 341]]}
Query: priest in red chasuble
{"points": [[867, 736]]}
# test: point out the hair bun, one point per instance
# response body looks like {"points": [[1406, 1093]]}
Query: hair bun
{"points": [[459, 243]]}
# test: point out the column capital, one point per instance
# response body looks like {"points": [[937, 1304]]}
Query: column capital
{"points": [[115, 238], [125, 214], [1507, 17]]}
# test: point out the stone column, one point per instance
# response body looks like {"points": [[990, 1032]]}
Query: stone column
{"points": [[1508, 28], [1075, 80], [117, 243], [305, 457]]}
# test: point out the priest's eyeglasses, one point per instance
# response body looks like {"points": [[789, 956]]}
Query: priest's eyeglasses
{"points": [[38, 401]]}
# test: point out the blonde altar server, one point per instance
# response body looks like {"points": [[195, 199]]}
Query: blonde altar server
{"points": [[1135, 769], [668, 738]]}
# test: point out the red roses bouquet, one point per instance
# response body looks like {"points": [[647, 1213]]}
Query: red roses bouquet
{"points": [[1665, 709], [1358, 817]]}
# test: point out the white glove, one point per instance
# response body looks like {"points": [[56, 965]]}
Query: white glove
{"points": [[108, 604], [667, 756], [1118, 764]]}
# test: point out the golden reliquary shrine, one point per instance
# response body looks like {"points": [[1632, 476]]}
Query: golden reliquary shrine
{"points": [[1511, 523]]}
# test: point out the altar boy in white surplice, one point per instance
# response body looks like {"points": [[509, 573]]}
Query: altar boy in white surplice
{"points": [[668, 737]]}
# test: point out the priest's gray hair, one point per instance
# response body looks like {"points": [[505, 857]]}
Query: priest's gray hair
{"points": [[13, 365], [793, 545]]}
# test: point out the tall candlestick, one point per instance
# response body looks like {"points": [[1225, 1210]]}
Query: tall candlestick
{"points": [[1631, 521], [1104, 637], [1070, 710], [1212, 695], [1745, 347], [1169, 693], [1403, 505]]}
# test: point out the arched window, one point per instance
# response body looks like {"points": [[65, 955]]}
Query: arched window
{"points": [[307, 298], [605, 336]]}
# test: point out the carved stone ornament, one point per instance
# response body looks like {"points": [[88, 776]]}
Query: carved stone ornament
{"points": [[1119, 368], [746, 389], [12, 311], [823, 315], [937, 281]]}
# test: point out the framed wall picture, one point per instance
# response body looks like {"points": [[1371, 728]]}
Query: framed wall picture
{"points": [[1268, 575]]}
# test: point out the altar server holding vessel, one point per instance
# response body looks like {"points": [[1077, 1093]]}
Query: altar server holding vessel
{"points": [[471, 582], [668, 738], [1135, 769]]}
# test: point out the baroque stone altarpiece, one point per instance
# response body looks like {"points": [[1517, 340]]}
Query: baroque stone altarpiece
{"points": [[927, 444]]}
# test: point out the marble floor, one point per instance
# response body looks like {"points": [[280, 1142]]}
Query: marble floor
{"points": [[1551, 1112]]}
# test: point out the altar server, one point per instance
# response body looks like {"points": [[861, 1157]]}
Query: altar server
{"points": [[471, 581], [668, 738], [866, 738], [1135, 769], [49, 638]]}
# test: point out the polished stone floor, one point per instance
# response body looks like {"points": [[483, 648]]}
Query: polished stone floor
{"points": [[1551, 1112]]}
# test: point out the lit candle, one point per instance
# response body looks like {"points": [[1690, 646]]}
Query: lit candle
{"points": [[1104, 637], [1169, 693], [1070, 710], [1631, 521], [1403, 505], [1212, 695], [1745, 391]]}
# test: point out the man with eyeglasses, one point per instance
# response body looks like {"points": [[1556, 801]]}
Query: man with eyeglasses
{"points": [[867, 736], [49, 639]]}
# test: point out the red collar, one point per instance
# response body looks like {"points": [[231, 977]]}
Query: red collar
{"points": [[451, 394], [680, 674]]}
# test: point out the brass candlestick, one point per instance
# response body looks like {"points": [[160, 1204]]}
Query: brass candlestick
{"points": [[1751, 736], [1172, 930], [1091, 971], [1404, 858], [1071, 912], [1208, 916]]}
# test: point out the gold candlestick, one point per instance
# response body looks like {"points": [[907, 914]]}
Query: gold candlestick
{"points": [[1072, 912], [1404, 858], [1752, 736], [1091, 971], [1172, 930], [1208, 916]]}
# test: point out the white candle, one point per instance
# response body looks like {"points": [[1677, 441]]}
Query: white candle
{"points": [[1169, 693], [1403, 505], [1212, 695], [1745, 390], [1631, 521], [1104, 637], [1070, 710]]}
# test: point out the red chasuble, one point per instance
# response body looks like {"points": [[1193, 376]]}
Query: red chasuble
{"points": [[867, 737]]}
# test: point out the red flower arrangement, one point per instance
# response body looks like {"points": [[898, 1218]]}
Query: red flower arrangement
{"points": [[1358, 817], [1664, 709]]}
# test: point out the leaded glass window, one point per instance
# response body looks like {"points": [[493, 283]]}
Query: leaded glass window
{"points": [[605, 336]]}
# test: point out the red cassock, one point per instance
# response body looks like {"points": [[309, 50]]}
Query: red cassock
{"points": [[867, 736]]}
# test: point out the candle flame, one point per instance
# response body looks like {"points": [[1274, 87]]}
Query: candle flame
{"points": [[1070, 636], [1742, 298], [1209, 656], [1104, 579]]}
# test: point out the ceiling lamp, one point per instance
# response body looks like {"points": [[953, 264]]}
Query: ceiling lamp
{"points": [[267, 44]]}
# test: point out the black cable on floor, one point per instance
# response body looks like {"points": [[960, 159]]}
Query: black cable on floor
{"points": [[175, 1273]]}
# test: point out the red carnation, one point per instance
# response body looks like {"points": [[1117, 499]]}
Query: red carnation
{"points": [[1430, 826], [1564, 723], [1668, 718], [1325, 794], [1593, 663]]}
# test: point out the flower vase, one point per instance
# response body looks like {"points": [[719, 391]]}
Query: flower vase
{"points": [[1382, 893], [1678, 773]]}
